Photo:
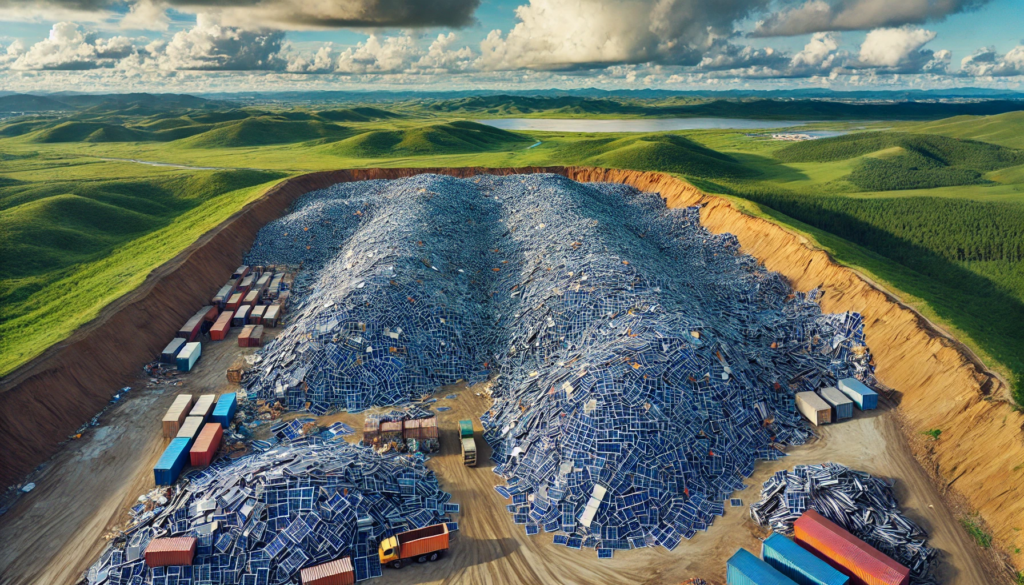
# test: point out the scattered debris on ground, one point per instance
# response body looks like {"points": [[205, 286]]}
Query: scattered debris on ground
{"points": [[856, 501]]}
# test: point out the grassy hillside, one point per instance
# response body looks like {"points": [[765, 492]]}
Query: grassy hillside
{"points": [[910, 161], [265, 130], [436, 139], [68, 247], [1003, 129], [653, 152]]}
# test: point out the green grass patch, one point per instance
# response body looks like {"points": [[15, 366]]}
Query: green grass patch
{"points": [[972, 524], [933, 433], [432, 140], [1002, 129]]}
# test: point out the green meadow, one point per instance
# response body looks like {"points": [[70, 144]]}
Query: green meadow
{"points": [[932, 210]]}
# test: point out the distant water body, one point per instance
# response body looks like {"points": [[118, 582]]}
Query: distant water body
{"points": [[636, 125]]}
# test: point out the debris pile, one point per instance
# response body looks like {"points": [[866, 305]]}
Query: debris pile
{"points": [[857, 501], [262, 518], [641, 364]]}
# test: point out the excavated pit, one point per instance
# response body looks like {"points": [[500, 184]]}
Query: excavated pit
{"points": [[935, 380]]}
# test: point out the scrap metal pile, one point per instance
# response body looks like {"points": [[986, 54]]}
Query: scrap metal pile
{"points": [[641, 364], [857, 501], [261, 518]]}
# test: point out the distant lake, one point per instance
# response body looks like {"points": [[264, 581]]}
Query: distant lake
{"points": [[635, 125]]}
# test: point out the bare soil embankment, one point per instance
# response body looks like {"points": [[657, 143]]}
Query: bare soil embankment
{"points": [[937, 383]]}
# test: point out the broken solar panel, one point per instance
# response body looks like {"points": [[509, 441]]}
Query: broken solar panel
{"points": [[857, 501], [261, 518], [642, 364]]}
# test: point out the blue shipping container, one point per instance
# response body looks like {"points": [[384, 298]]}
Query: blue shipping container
{"points": [[746, 569], [168, 468], [865, 398], [224, 412], [795, 562], [170, 352]]}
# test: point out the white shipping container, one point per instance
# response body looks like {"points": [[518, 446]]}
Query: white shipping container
{"points": [[813, 408], [189, 355]]}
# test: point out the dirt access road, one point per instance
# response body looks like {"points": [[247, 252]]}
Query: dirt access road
{"points": [[54, 533]]}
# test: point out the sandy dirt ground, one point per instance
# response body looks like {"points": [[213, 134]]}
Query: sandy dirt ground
{"points": [[55, 532]]}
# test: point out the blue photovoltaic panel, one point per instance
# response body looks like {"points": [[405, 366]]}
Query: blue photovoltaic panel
{"points": [[561, 539], [605, 553]]}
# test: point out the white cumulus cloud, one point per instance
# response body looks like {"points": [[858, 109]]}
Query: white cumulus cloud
{"points": [[895, 47], [68, 47], [987, 63], [834, 15]]}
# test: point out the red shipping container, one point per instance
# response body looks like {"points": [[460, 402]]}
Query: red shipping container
{"points": [[233, 302], [257, 314], [337, 572], [207, 444], [190, 330], [243, 337], [850, 555], [208, 313], [220, 329], [164, 552]]}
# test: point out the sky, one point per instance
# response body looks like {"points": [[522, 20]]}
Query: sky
{"points": [[196, 46]]}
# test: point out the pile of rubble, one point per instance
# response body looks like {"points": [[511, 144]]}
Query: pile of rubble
{"points": [[261, 518], [641, 364], [857, 501]]}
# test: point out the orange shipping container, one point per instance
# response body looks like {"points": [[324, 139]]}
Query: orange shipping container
{"points": [[243, 337], [850, 555], [207, 444], [337, 572], [423, 541], [257, 314], [164, 552], [220, 329], [251, 298], [233, 302]]}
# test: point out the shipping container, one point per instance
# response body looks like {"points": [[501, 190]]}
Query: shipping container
{"points": [[795, 562], [842, 407], [251, 298], [176, 415], [166, 552], [256, 337], [243, 337], [256, 316], [262, 284], [865, 398], [209, 313], [419, 544], [847, 553], [337, 572], [743, 568], [203, 406], [469, 452], [168, 468], [170, 353], [813, 408], [271, 316], [190, 330], [221, 298], [240, 272], [222, 327], [465, 428], [190, 429], [188, 356], [241, 316], [206, 445], [246, 283], [224, 412], [282, 300], [233, 302]]}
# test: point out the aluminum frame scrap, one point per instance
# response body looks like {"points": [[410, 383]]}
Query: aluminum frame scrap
{"points": [[260, 519], [857, 501], [633, 350]]}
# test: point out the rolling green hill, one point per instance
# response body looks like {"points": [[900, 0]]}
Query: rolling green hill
{"points": [[1002, 129], [448, 138], [654, 152], [363, 114], [88, 132], [913, 161], [265, 130]]}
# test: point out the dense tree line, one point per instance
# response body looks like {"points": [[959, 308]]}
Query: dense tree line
{"points": [[907, 172], [899, 228]]}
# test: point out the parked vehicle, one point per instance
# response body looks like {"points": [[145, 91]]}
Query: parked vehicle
{"points": [[468, 443], [422, 545]]}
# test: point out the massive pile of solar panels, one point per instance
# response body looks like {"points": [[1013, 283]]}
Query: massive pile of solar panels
{"points": [[857, 501], [261, 518], [641, 364]]}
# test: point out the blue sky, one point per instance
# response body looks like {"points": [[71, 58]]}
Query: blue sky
{"points": [[201, 45]]}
